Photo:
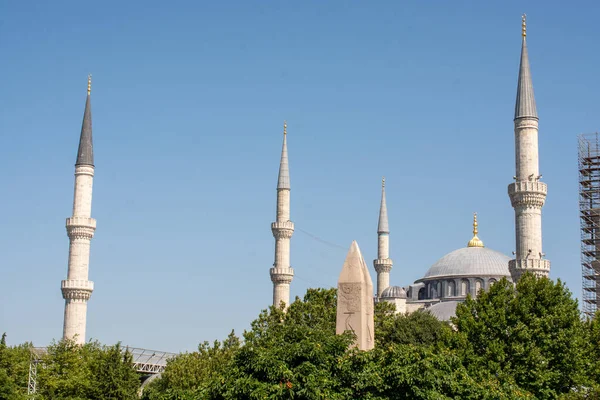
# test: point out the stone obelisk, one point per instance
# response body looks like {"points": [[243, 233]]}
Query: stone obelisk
{"points": [[355, 300]]}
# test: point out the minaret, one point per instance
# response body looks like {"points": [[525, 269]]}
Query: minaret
{"points": [[527, 193], [282, 273], [77, 289], [383, 263]]}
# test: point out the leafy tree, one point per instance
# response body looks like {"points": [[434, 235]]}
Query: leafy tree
{"points": [[417, 328], [293, 354], [401, 371], [189, 375], [530, 335], [14, 367], [72, 371], [113, 375]]}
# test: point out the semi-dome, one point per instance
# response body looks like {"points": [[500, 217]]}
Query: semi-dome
{"points": [[393, 292], [473, 260]]}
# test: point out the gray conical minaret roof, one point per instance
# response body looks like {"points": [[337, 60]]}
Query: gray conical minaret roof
{"points": [[525, 104], [283, 181], [85, 153], [383, 226]]}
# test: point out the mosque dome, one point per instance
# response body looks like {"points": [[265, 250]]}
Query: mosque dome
{"points": [[475, 260], [393, 292], [470, 261]]}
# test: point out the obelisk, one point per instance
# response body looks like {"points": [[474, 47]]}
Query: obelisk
{"points": [[355, 299]]}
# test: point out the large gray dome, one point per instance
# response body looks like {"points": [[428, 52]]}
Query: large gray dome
{"points": [[470, 261]]}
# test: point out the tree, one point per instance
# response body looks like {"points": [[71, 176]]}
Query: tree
{"points": [[406, 371], [417, 328], [293, 354], [14, 366], [190, 375], [91, 371], [113, 375], [530, 335]]}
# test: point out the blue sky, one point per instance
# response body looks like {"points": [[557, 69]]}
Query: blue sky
{"points": [[189, 100]]}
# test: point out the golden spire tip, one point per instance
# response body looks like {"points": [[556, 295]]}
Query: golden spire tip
{"points": [[89, 90], [524, 25], [475, 242], [284, 127]]}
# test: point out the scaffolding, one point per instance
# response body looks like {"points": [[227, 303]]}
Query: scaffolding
{"points": [[589, 218]]}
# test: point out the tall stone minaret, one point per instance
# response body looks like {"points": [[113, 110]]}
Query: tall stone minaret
{"points": [[383, 263], [77, 289], [282, 273], [527, 194]]}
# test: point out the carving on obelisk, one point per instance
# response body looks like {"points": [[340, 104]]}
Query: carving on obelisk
{"points": [[355, 299]]}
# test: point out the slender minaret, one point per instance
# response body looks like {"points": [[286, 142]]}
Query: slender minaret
{"points": [[282, 273], [77, 289], [383, 263], [527, 193]]}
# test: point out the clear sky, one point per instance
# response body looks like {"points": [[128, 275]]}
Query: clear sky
{"points": [[189, 100]]}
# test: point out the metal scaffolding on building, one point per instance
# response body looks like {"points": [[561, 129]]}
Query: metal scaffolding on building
{"points": [[589, 218]]}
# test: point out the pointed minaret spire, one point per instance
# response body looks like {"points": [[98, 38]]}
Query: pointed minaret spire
{"points": [[527, 193], [85, 154], [383, 227], [525, 104], [282, 273], [283, 182], [383, 263], [77, 288]]}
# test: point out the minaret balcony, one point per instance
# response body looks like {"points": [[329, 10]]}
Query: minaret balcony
{"points": [[83, 222], [77, 289], [282, 275], [527, 193], [81, 228], [539, 267], [282, 229], [383, 264]]}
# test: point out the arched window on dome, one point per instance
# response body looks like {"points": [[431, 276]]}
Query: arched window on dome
{"points": [[478, 285], [464, 287], [421, 294], [450, 289], [491, 281], [433, 290]]}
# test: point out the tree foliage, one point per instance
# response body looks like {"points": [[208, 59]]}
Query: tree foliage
{"points": [[417, 328], [69, 371], [530, 335], [190, 375], [511, 342], [14, 367]]}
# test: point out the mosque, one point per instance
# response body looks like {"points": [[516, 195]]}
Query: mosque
{"points": [[446, 283], [463, 271]]}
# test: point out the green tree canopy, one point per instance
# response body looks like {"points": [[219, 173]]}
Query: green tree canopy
{"points": [[530, 335]]}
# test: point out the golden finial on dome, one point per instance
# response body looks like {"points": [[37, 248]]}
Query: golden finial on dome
{"points": [[475, 242], [524, 25], [284, 127], [89, 84]]}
